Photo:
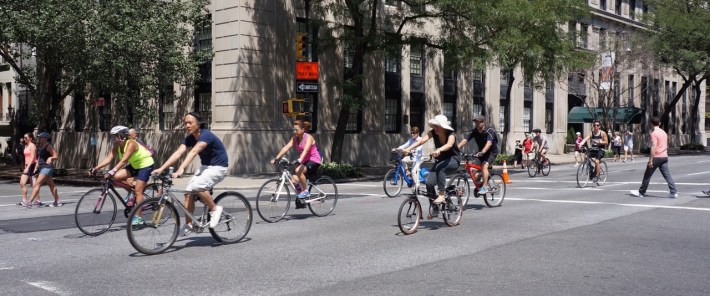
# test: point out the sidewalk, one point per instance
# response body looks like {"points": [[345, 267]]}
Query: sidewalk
{"points": [[78, 177]]}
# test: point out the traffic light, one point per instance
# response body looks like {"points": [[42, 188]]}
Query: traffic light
{"points": [[294, 106], [301, 46]]}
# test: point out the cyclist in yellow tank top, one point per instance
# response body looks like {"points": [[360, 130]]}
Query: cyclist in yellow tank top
{"points": [[139, 159]]}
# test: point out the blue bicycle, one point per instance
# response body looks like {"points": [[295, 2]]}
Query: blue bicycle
{"points": [[397, 177]]}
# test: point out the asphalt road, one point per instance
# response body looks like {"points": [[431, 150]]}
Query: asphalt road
{"points": [[548, 238]]}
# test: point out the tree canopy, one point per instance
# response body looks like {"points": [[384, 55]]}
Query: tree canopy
{"points": [[125, 48]]}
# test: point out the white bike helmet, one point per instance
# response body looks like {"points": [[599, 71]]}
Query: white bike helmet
{"points": [[119, 130]]}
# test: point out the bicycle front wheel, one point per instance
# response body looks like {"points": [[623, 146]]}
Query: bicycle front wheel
{"points": [[95, 212], [583, 174], [158, 228], [495, 191], [545, 167], [410, 215], [324, 196], [461, 188], [272, 202], [602, 173], [452, 210], [392, 183], [236, 218], [532, 168]]}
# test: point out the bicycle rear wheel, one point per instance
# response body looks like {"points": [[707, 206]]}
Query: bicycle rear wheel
{"points": [[410, 215], [461, 187], [392, 183], [324, 196], [602, 173], [495, 191], [545, 167], [452, 209], [583, 174], [532, 168], [95, 212], [272, 202], [236, 218], [159, 228]]}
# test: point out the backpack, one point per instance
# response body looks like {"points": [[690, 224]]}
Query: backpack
{"points": [[150, 149]]}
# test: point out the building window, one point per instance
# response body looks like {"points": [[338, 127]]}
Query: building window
{"points": [[79, 112], [391, 115], [501, 117], [572, 32], [707, 109], [527, 116], [617, 7], [392, 61], [167, 109], [479, 91], [632, 9], [602, 5], [415, 60], [392, 2], [684, 113], [203, 105], [602, 38], [105, 114], [450, 112], [584, 35], [631, 87], [354, 121]]}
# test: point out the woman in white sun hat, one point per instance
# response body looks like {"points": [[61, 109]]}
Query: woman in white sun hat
{"points": [[446, 154]]}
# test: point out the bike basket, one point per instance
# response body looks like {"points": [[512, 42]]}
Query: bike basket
{"points": [[395, 156]]}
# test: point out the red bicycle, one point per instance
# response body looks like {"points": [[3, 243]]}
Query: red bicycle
{"points": [[495, 189]]}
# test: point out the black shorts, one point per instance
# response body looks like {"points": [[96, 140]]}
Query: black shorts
{"points": [[597, 153], [312, 170], [489, 157], [31, 169]]}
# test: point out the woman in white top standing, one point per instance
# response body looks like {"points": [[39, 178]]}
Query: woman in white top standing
{"points": [[629, 145]]}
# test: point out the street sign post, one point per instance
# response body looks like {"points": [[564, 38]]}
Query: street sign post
{"points": [[303, 86]]}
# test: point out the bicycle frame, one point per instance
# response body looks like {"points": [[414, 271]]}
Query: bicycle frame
{"points": [[286, 175]]}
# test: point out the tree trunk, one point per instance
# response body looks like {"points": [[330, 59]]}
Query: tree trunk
{"points": [[671, 105], [508, 91], [339, 136], [694, 116]]}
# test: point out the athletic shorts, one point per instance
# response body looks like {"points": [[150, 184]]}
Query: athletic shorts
{"points": [[140, 174], [31, 170], [206, 178], [489, 157], [311, 170]]}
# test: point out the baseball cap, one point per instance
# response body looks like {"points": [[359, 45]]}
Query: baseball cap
{"points": [[43, 135]]}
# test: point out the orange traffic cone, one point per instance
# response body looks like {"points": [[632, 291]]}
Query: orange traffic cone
{"points": [[505, 173]]}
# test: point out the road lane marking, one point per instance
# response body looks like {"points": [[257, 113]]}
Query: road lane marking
{"points": [[47, 286], [29, 191], [609, 182], [611, 203], [700, 173], [46, 203], [7, 268]]}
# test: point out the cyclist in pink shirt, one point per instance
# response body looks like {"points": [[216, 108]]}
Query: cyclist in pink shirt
{"points": [[309, 159], [658, 158]]}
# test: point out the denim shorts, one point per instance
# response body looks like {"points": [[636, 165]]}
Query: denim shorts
{"points": [[46, 171]]}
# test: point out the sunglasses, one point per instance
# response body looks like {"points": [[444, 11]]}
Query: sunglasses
{"points": [[597, 125]]}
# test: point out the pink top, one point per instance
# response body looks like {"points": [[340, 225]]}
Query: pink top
{"points": [[312, 154], [660, 138], [28, 152]]}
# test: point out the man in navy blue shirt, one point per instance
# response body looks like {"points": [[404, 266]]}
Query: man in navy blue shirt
{"points": [[213, 158], [487, 141]]}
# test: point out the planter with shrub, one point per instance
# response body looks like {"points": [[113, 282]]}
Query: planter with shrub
{"points": [[340, 170]]}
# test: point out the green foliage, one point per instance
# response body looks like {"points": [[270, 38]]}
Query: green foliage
{"points": [[571, 136], [609, 153], [692, 146], [340, 170], [128, 48], [502, 156]]}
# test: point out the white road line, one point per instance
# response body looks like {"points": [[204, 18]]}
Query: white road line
{"points": [[700, 173], [7, 268], [62, 200], [28, 192], [611, 203], [47, 286], [601, 188], [609, 182]]}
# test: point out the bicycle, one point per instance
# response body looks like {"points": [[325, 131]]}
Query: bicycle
{"points": [[451, 210], [535, 166], [161, 220], [96, 210], [273, 199], [588, 169], [397, 177], [495, 189]]}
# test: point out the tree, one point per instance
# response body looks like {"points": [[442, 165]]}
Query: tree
{"points": [[126, 48], [467, 32], [681, 42], [531, 36]]}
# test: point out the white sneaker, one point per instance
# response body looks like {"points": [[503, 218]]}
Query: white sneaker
{"points": [[576, 165], [439, 199], [636, 193], [673, 195], [185, 229], [215, 216]]}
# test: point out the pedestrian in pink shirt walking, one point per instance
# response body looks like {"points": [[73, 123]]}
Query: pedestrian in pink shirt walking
{"points": [[658, 158]]}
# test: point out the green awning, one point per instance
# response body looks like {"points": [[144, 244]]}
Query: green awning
{"points": [[619, 115]]}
